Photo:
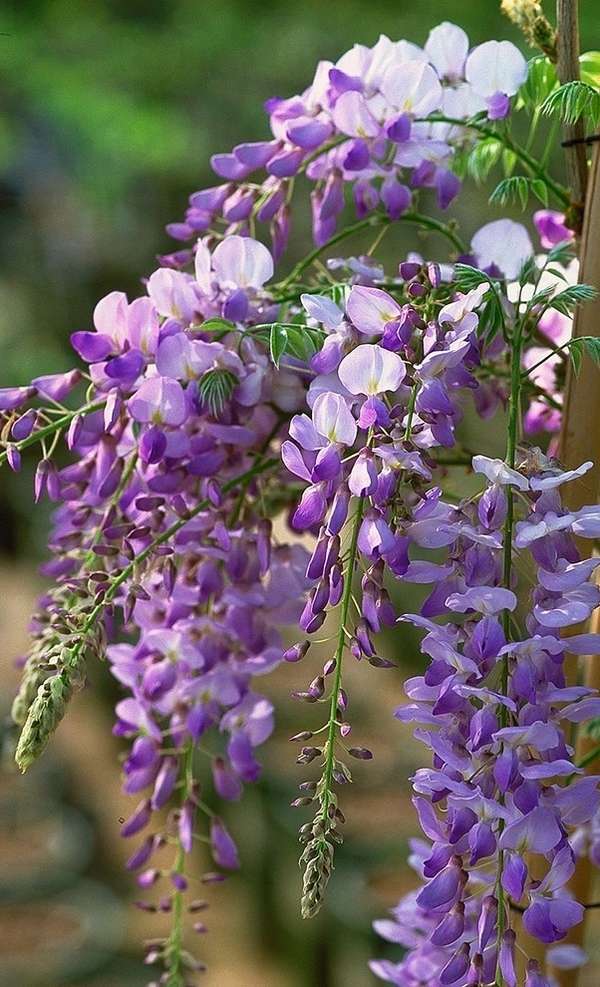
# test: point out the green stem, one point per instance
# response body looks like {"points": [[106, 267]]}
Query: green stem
{"points": [[339, 656], [174, 947], [412, 401], [43, 433], [377, 219], [556, 351], [588, 758], [528, 160], [514, 410], [323, 150]]}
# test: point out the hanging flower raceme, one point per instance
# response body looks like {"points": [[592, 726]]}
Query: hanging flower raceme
{"points": [[366, 455], [362, 123], [221, 401], [492, 706], [157, 523]]}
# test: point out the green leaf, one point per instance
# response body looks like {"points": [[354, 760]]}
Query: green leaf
{"points": [[592, 347], [510, 190], [543, 296], [460, 162], [576, 350], [574, 101], [509, 160], [562, 253], [217, 325], [483, 158], [468, 277], [517, 189], [490, 318], [540, 190], [278, 342], [528, 271], [541, 80], [567, 301], [215, 389], [337, 293], [593, 728], [556, 273], [589, 64], [297, 339], [301, 343]]}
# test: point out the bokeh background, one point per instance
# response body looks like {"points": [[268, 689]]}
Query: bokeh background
{"points": [[109, 111]]}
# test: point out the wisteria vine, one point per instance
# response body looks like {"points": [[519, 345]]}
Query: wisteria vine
{"points": [[221, 401]]}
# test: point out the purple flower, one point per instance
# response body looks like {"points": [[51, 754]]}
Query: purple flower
{"points": [[538, 832], [550, 919], [551, 228], [223, 848], [370, 309], [159, 400], [14, 397]]}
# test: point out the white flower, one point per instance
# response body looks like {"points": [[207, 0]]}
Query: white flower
{"points": [[322, 309], [503, 243], [551, 481], [447, 47], [498, 472], [333, 419], [412, 88], [240, 262], [496, 67], [371, 370]]}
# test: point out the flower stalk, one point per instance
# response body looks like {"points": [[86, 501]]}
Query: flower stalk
{"points": [[513, 427], [318, 854]]}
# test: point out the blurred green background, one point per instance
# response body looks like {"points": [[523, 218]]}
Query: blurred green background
{"points": [[109, 111]]}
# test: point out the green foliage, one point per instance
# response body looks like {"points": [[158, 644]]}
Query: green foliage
{"points": [[518, 189], [541, 80], [567, 301], [468, 277], [278, 342], [509, 160], [337, 293], [528, 272], [484, 156], [576, 351], [593, 728], [581, 345], [491, 316], [589, 66], [562, 253], [294, 338], [572, 102], [217, 325], [215, 388]]}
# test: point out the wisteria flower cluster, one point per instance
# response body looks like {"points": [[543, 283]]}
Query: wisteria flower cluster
{"points": [[221, 402]]}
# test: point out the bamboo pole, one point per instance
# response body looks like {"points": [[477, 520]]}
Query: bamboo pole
{"points": [[580, 436], [567, 69], [580, 441]]}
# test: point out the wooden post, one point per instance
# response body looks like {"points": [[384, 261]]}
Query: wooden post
{"points": [[567, 69], [580, 437], [580, 441]]}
